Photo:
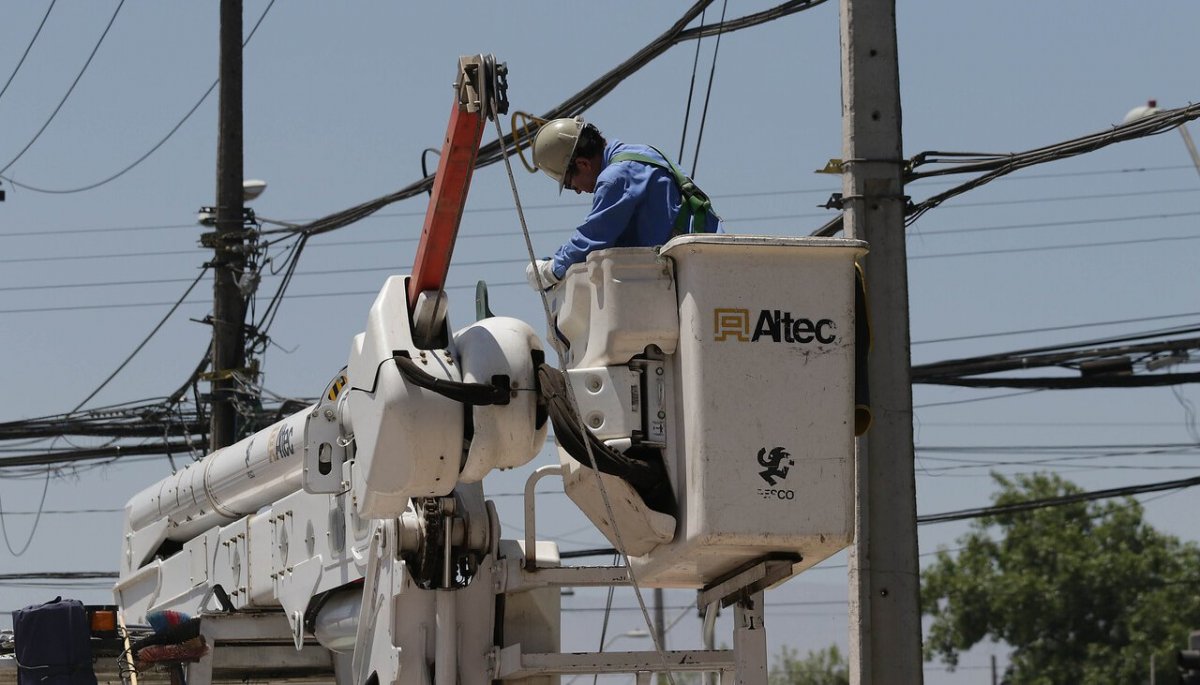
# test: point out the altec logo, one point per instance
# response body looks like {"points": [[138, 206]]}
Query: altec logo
{"points": [[772, 324]]}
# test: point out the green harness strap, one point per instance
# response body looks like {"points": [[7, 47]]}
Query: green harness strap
{"points": [[695, 201]]}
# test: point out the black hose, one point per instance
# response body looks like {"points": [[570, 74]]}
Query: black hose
{"points": [[641, 467]]}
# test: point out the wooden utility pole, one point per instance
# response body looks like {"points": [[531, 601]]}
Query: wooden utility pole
{"points": [[885, 617], [229, 304]]}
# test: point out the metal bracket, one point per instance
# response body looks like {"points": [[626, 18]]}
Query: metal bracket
{"points": [[833, 166], [429, 319], [324, 449], [482, 85], [749, 579], [511, 664]]}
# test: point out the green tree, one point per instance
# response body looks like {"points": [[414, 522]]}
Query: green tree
{"points": [[822, 667], [1083, 592]]}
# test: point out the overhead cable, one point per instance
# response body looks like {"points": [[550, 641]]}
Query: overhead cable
{"points": [[574, 105], [1063, 500], [142, 344], [708, 94], [1049, 248], [1047, 329], [687, 110], [993, 166], [33, 528], [28, 47], [111, 452], [153, 149], [70, 90], [1100, 366]]}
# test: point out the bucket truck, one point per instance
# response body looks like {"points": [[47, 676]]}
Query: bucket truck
{"points": [[704, 424]]}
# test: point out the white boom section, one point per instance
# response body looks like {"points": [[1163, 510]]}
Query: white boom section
{"points": [[227, 484]]}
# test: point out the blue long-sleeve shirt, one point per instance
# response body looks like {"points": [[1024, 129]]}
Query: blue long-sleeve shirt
{"points": [[634, 205]]}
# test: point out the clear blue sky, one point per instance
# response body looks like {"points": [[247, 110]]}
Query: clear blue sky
{"points": [[341, 98]]}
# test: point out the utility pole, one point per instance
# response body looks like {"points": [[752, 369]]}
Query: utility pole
{"points": [[229, 305], [660, 624], [885, 619]]}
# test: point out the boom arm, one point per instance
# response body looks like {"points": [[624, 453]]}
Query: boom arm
{"points": [[480, 94]]}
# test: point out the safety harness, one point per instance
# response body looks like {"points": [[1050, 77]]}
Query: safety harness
{"points": [[695, 202]]}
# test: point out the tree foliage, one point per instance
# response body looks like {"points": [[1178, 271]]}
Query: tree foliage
{"points": [[1082, 593], [822, 667]]}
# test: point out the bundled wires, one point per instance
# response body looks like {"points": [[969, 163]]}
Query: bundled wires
{"points": [[574, 105], [1104, 363], [992, 166]]}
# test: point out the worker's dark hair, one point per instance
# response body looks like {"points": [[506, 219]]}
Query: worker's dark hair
{"points": [[591, 142]]}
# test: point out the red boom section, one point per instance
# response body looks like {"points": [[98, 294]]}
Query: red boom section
{"points": [[457, 163]]}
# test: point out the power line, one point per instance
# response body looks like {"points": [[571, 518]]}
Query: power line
{"points": [[976, 399], [1069, 460], [993, 166], [142, 344], [83, 231], [394, 268], [506, 233], [1074, 498], [112, 452], [149, 152], [28, 47], [1092, 424], [1134, 349], [575, 104], [1050, 248], [303, 296], [70, 90], [65, 512], [322, 245], [77, 258], [1056, 224], [748, 194], [94, 284], [1047, 329], [1037, 449], [708, 93], [1064, 198]]}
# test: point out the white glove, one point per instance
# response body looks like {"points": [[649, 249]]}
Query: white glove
{"points": [[542, 269]]}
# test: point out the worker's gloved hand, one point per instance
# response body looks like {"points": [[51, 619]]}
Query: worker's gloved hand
{"points": [[543, 268]]}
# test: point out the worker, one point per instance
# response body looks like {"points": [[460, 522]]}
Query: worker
{"points": [[640, 199]]}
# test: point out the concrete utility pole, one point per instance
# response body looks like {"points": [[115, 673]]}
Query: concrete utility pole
{"points": [[885, 619], [229, 305], [660, 624]]}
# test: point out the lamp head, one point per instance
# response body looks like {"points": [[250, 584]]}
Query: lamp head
{"points": [[252, 189], [1142, 111]]}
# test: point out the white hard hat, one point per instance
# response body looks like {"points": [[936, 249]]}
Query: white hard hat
{"points": [[554, 147]]}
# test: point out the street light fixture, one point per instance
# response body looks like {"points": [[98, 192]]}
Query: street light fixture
{"points": [[635, 633], [1150, 109], [251, 189]]}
